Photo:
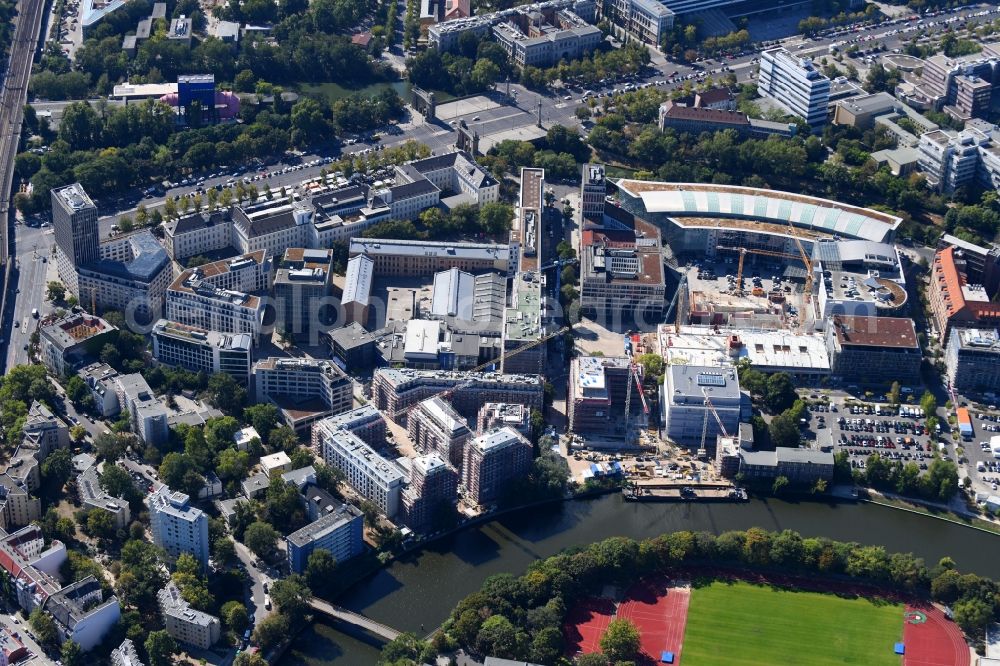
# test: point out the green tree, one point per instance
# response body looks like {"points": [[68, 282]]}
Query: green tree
{"points": [[262, 539], [972, 615], [779, 485], [497, 636], [235, 615], [101, 524], [320, 569], [291, 596], [620, 641], [160, 646], [784, 430], [70, 654], [44, 627], [263, 417], [271, 630], [56, 291], [893, 395], [495, 217]]}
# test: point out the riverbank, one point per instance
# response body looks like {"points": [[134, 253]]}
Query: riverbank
{"points": [[409, 591]]}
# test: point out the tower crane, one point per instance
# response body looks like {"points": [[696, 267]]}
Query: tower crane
{"points": [[633, 372], [805, 260], [709, 407]]}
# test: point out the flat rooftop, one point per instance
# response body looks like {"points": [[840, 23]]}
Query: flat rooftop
{"points": [[876, 332], [767, 351]]}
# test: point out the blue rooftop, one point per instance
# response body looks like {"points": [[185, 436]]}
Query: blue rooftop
{"points": [[148, 259]]}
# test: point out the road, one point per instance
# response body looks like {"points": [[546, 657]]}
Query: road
{"points": [[29, 280], [255, 606], [13, 622]]}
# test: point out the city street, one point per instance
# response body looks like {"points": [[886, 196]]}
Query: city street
{"points": [[255, 606], [34, 268]]}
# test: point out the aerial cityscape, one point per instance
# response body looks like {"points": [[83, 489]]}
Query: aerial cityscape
{"points": [[499, 332]]}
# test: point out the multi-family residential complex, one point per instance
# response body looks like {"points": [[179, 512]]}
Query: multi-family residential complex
{"points": [[366, 422], [621, 270], [394, 390], [432, 491], [125, 655], [491, 461], [93, 496], [178, 527], [874, 349], [65, 342], [795, 84], [82, 614], [686, 391], [185, 624], [147, 415], [217, 296], [958, 294], [495, 415], [435, 427], [597, 393], [200, 350], [100, 379], [375, 478], [961, 87], [303, 288], [338, 530], [304, 390]]}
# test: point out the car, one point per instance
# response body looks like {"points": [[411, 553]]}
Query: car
{"points": [[475, 119], [25, 347]]}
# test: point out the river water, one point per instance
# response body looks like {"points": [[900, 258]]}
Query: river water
{"points": [[417, 593]]}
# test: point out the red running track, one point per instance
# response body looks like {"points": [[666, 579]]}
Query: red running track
{"points": [[937, 642], [658, 611]]}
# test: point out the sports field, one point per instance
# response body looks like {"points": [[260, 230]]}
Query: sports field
{"points": [[740, 623]]}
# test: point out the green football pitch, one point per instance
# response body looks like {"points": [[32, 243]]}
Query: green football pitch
{"points": [[739, 623]]}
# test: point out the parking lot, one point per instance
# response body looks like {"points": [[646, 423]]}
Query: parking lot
{"points": [[866, 428], [984, 466]]}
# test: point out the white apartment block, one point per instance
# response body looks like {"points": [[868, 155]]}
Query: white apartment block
{"points": [[796, 84], [185, 624], [304, 390], [951, 159], [178, 527], [148, 415], [199, 350], [375, 478], [82, 614]]}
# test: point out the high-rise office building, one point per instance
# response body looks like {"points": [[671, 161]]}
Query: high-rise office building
{"points": [[74, 223], [796, 84]]}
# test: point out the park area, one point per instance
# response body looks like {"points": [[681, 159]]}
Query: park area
{"points": [[733, 622]]}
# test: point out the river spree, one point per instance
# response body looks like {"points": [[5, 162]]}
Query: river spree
{"points": [[417, 593]]}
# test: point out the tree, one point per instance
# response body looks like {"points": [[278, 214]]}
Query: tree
{"points": [[100, 524], [56, 291], [320, 569], [226, 394], [70, 654], [160, 646], [784, 430], [271, 630], [44, 627], [77, 433], [262, 539], [780, 392], [497, 637], [972, 615], [780, 483], [110, 446], [263, 417], [893, 395], [235, 615], [291, 595], [249, 659], [232, 465], [495, 217], [118, 483], [620, 641], [57, 468]]}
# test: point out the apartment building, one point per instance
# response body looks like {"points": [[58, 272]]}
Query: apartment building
{"points": [[131, 275], [492, 461], [125, 655], [199, 233], [496, 415], [597, 392], [950, 159], [148, 416], [432, 492], [424, 258], [217, 296], [304, 390], [303, 288], [178, 527], [32, 567], [874, 349], [67, 341], [94, 497], [957, 296], [621, 270], [435, 427], [972, 359], [685, 391], [378, 480], [185, 624], [200, 350], [795, 84], [74, 227], [395, 390], [42, 431], [961, 87], [100, 379], [82, 614], [338, 530], [366, 422], [18, 507]]}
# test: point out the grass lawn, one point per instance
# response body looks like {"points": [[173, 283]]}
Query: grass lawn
{"points": [[746, 624]]}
